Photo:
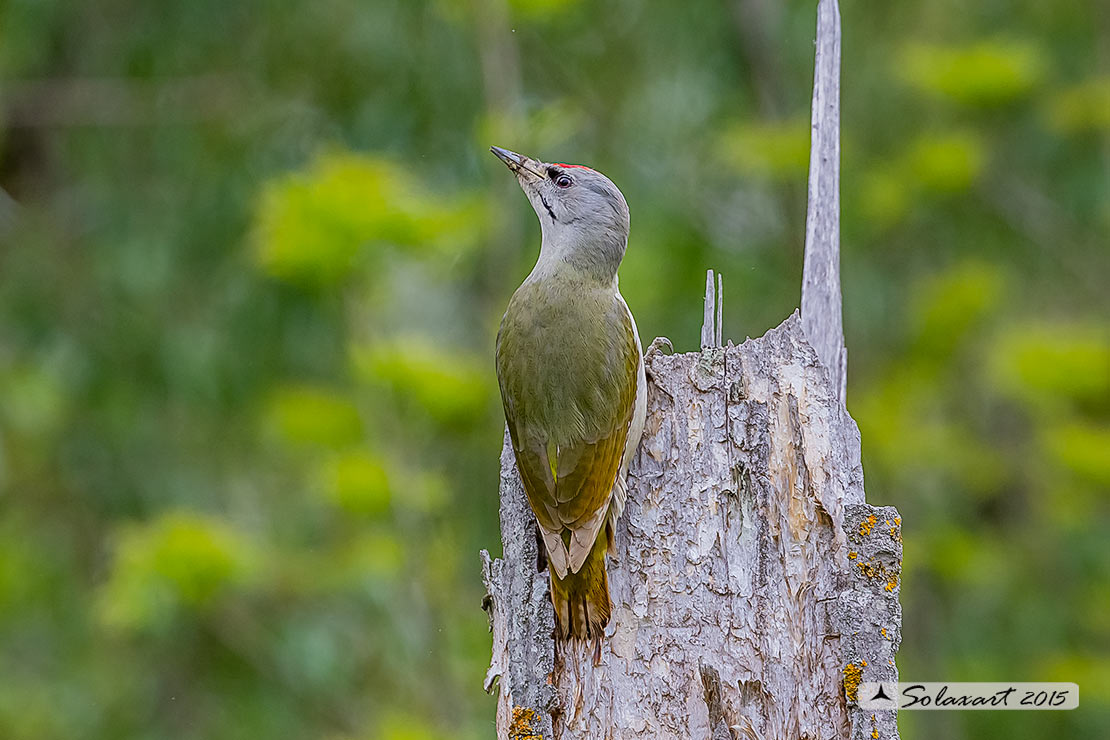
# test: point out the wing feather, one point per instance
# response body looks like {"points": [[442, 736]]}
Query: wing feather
{"points": [[583, 418]]}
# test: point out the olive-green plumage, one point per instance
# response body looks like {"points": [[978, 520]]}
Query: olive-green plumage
{"points": [[570, 369]]}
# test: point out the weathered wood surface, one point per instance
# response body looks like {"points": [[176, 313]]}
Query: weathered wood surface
{"points": [[821, 310], [733, 585]]}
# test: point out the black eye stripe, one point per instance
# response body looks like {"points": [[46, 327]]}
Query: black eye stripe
{"points": [[560, 178]]}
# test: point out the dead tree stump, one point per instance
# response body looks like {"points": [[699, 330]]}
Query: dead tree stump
{"points": [[753, 587]]}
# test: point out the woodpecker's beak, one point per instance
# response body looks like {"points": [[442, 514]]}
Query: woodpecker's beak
{"points": [[518, 163]]}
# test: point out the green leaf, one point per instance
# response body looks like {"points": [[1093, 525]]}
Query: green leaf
{"points": [[986, 73], [541, 8], [776, 150], [1082, 448], [1050, 364], [313, 416], [1081, 108], [945, 163], [450, 386], [946, 306], [397, 726], [180, 561], [313, 227], [358, 483], [884, 198]]}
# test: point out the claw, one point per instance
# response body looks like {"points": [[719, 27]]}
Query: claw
{"points": [[659, 346]]}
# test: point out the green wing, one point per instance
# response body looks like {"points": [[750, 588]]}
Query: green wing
{"points": [[567, 371]]}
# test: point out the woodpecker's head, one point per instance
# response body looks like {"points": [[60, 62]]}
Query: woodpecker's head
{"points": [[583, 216]]}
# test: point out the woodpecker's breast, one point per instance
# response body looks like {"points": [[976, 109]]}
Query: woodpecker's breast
{"points": [[564, 356]]}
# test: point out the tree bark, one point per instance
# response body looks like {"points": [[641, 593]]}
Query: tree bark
{"points": [[753, 587]]}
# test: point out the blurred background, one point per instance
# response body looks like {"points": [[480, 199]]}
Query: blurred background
{"points": [[252, 260]]}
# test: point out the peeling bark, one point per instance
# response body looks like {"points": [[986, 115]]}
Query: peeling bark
{"points": [[738, 603]]}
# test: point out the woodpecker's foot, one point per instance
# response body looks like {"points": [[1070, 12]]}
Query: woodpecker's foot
{"points": [[659, 346]]}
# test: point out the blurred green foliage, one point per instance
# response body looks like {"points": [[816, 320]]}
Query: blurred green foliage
{"points": [[984, 73], [253, 257], [313, 227], [768, 149], [178, 562]]}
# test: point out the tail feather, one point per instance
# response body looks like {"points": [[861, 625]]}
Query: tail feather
{"points": [[581, 600]]}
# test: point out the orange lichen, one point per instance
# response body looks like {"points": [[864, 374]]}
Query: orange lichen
{"points": [[870, 570], [520, 728], [853, 676], [874, 728], [852, 555], [867, 525], [874, 571]]}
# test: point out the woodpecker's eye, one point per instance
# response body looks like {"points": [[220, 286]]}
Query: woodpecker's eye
{"points": [[563, 181]]}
